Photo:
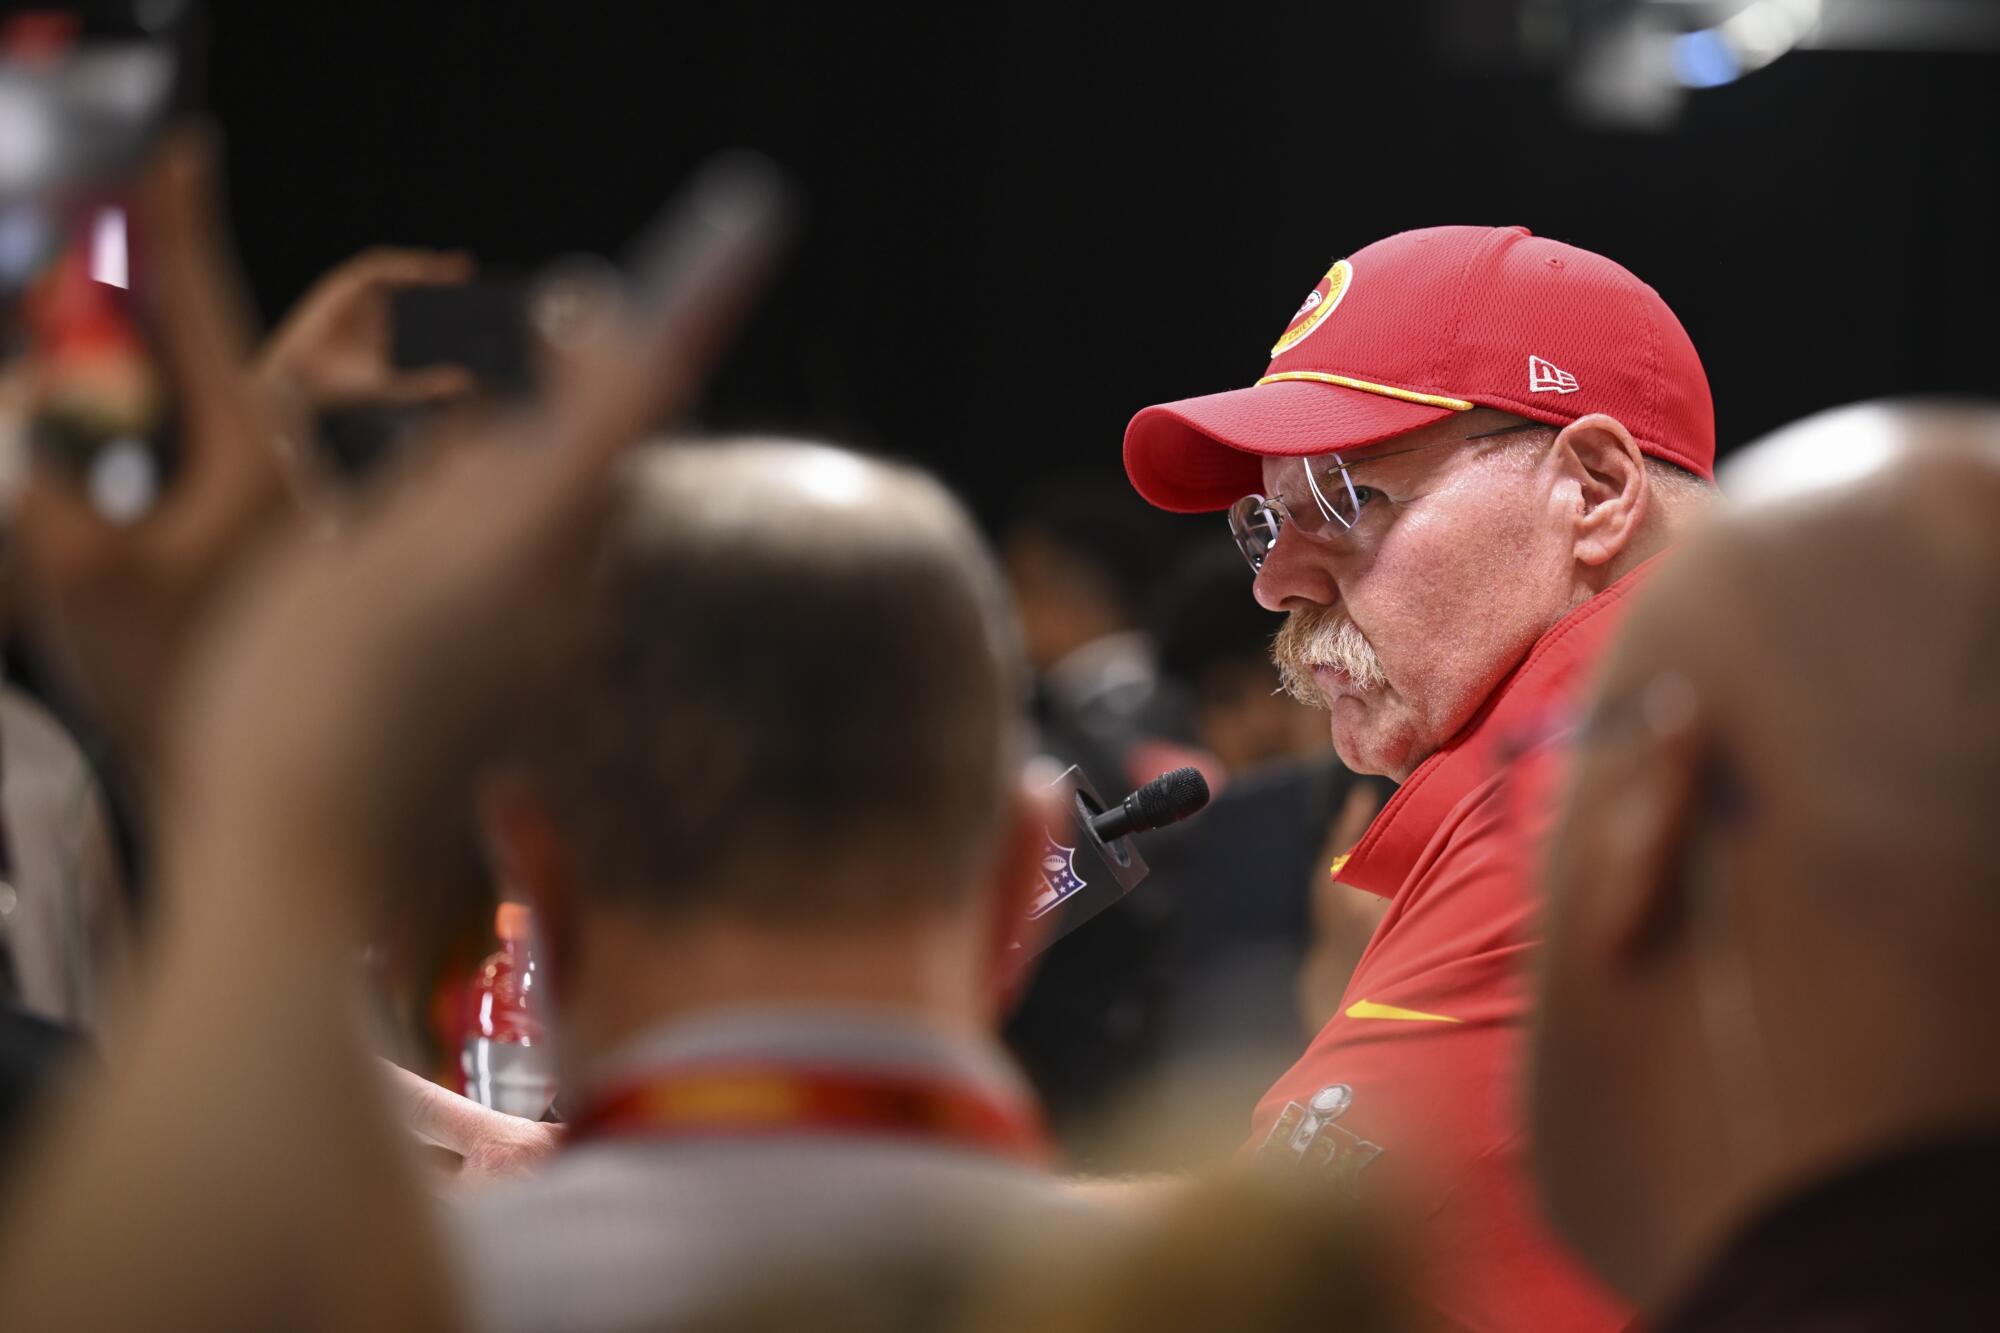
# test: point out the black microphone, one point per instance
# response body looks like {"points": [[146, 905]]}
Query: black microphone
{"points": [[1167, 799], [1088, 862]]}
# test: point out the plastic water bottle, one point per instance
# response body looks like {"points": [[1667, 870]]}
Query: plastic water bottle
{"points": [[506, 1059]]}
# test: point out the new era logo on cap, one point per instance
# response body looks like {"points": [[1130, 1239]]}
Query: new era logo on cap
{"points": [[1545, 377]]}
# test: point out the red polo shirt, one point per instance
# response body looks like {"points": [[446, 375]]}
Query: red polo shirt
{"points": [[1411, 1092]]}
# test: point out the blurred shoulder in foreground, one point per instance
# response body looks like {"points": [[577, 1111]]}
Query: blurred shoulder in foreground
{"points": [[1235, 1253]]}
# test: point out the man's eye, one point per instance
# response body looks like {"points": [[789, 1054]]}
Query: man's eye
{"points": [[1364, 495]]}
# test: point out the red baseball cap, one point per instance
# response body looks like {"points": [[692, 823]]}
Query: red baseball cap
{"points": [[1421, 325]]}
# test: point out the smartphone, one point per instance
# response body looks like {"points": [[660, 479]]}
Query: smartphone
{"points": [[97, 83], [482, 326], [691, 276], [104, 412]]}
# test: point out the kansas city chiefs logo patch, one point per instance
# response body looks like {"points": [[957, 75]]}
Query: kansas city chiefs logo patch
{"points": [[1318, 306]]}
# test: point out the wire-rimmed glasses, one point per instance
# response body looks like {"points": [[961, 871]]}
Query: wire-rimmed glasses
{"points": [[1336, 502]]}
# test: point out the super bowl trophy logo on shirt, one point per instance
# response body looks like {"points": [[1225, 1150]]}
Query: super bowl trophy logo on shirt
{"points": [[1308, 1136]]}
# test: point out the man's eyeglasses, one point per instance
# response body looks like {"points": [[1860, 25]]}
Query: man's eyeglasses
{"points": [[1333, 502]]}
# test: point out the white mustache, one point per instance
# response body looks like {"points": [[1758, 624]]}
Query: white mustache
{"points": [[1324, 637]]}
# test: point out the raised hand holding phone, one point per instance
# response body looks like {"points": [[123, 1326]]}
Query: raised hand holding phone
{"points": [[329, 722], [338, 345], [116, 597]]}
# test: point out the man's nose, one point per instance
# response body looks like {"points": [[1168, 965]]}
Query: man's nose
{"points": [[1298, 571]]}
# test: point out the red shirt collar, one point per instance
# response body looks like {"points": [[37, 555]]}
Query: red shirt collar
{"points": [[1389, 851]]}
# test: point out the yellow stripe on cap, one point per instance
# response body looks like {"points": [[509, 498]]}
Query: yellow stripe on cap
{"points": [[1387, 391]]}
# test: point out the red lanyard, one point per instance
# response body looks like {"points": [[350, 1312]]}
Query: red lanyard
{"points": [[739, 1101]]}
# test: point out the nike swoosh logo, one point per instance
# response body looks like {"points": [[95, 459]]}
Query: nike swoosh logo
{"points": [[1370, 1009]]}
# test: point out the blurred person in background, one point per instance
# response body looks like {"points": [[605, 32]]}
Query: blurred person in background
{"points": [[1766, 1088], [1245, 880], [1080, 558], [112, 601], [1215, 647], [238, 1040], [65, 919], [291, 819], [775, 828], [66, 909], [1468, 447]]}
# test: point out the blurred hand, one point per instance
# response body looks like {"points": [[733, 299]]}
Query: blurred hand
{"points": [[363, 675], [482, 1144], [116, 602], [1343, 918], [333, 694], [334, 346]]}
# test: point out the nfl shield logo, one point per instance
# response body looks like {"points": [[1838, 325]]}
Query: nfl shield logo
{"points": [[1059, 877]]}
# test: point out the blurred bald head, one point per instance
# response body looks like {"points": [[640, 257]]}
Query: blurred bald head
{"points": [[804, 664], [1850, 636], [1772, 899]]}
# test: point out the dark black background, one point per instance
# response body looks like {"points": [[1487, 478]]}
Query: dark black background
{"points": [[1025, 225]]}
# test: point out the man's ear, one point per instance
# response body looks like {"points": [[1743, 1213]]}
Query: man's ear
{"points": [[1011, 938], [532, 862], [1646, 818], [1610, 470]]}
